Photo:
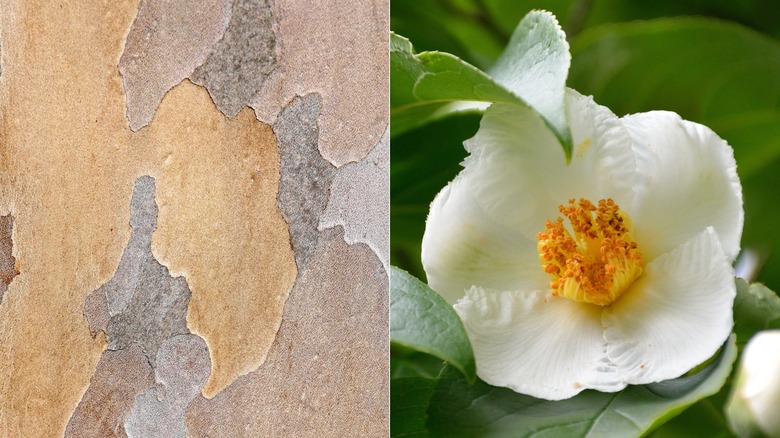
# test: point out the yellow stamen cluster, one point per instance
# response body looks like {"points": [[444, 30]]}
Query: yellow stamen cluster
{"points": [[599, 261]]}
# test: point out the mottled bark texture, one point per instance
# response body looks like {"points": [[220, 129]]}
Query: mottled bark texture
{"points": [[146, 305], [119, 378], [326, 374], [166, 43], [306, 177], [67, 172], [172, 317], [241, 61], [360, 201], [339, 50], [145, 310]]}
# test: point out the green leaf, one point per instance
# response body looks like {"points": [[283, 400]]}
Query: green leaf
{"points": [[704, 418], [423, 85], [534, 66], [531, 71], [756, 308], [435, 25], [421, 320], [409, 398], [480, 410]]}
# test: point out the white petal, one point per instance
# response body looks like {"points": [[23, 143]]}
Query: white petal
{"points": [[518, 171], [463, 246], [482, 228], [688, 181], [601, 154], [676, 315], [536, 344]]}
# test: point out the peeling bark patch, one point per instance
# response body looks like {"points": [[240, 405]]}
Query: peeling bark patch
{"points": [[339, 50], [334, 383], [360, 201], [142, 310], [305, 177], [167, 41], [7, 261], [242, 59], [183, 366], [145, 304], [120, 376]]}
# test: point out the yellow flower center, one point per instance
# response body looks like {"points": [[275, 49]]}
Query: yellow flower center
{"points": [[599, 261]]}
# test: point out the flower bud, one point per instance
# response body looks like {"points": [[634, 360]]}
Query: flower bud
{"points": [[754, 407]]}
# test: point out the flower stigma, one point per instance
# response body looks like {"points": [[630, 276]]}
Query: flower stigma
{"points": [[596, 262]]}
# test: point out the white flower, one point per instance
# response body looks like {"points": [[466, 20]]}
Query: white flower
{"points": [[754, 402], [657, 210]]}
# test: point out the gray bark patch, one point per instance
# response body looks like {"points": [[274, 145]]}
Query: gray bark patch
{"points": [[360, 201], [183, 366], [142, 309], [242, 60], [119, 378], [305, 177], [145, 304], [7, 261]]}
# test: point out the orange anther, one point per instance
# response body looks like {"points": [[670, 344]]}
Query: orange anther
{"points": [[598, 260]]}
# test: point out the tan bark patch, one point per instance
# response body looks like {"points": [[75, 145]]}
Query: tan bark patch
{"points": [[220, 227], [327, 373]]}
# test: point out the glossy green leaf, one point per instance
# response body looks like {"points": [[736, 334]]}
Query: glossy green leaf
{"points": [[405, 362], [756, 308], [532, 71], [705, 418], [421, 86], [480, 410], [421, 320], [434, 25]]}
